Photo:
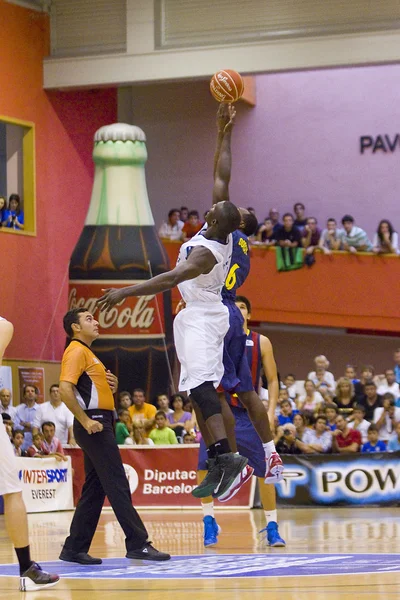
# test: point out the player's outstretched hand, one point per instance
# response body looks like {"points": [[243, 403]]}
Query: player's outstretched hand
{"points": [[110, 298], [225, 117]]}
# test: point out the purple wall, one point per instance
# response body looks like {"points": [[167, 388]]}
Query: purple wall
{"points": [[301, 142]]}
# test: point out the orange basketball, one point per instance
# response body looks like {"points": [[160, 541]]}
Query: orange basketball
{"points": [[227, 86]]}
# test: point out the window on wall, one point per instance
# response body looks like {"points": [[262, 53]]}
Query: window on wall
{"points": [[17, 176]]}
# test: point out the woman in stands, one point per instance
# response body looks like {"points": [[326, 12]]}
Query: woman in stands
{"points": [[311, 401], [3, 208], [300, 422], [14, 216], [179, 420], [386, 240], [345, 398]]}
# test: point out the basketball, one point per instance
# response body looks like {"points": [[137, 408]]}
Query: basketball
{"points": [[226, 86]]}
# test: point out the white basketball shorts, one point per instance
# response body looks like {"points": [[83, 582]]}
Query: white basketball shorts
{"points": [[199, 331], [9, 482]]}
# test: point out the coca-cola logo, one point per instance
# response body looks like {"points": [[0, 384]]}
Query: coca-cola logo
{"points": [[132, 316]]}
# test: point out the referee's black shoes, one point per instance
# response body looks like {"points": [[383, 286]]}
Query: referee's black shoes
{"points": [[147, 552], [80, 557]]}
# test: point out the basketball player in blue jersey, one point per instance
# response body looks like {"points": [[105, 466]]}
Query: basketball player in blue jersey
{"points": [[243, 437]]}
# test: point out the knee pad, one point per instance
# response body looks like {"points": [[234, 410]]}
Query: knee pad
{"points": [[206, 398]]}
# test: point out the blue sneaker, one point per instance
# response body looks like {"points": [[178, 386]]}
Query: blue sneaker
{"points": [[271, 535], [211, 531]]}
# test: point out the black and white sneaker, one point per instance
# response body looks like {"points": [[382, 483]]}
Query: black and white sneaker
{"points": [[230, 465], [147, 552], [35, 579], [211, 480]]}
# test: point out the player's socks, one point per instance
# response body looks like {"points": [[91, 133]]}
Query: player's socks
{"points": [[270, 534], [208, 509], [24, 558], [269, 448], [211, 531], [271, 515]]}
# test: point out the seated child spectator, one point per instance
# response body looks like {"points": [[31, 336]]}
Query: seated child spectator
{"points": [[350, 373], [359, 422], [331, 237], [139, 435], [386, 417], [317, 440], [345, 440], [373, 444], [284, 395], [162, 434], [36, 449], [18, 440], [355, 239], [124, 428], [331, 412], [189, 439], [172, 228], [266, 234], [386, 240], [290, 383], [285, 440], [192, 226], [124, 400], [394, 442], [14, 216], [312, 400], [162, 403], [286, 412], [344, 398]]}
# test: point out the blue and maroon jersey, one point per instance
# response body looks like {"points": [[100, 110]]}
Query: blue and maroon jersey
{"points": [[239, 267], [253, 351]]}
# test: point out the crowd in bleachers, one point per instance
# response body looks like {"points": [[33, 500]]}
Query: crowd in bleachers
{"points": [[295, 230], [11, 213]]}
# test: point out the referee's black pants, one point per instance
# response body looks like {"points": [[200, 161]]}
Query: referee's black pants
{"points": [[105, 476]]}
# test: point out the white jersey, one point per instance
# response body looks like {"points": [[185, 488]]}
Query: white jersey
{"points": [[206, 288]]}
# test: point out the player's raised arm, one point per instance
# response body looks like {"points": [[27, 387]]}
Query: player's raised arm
{"points": [[223, 155], [199, 262]]}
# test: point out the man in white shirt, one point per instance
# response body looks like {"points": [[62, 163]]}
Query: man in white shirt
{"points": [[5, 403], [172, 229], [26, 415], [360, 423], [389, 385], [55, 411], [317, 440], [387, 417]]}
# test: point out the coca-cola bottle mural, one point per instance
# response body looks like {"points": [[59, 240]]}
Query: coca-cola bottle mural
{"points": [[119, 246]]}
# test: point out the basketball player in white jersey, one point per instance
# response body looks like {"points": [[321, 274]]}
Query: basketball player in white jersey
{"points": [[31, 575], [199, 330]]}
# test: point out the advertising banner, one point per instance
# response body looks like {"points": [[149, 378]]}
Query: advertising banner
{"points": [[31, 376], [340, 479], [46, 484], [160, 477]]}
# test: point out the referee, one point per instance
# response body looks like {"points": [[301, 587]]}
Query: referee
{"points": [[87, 390]]}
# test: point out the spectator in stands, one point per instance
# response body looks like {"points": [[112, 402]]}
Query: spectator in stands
{"points": [[5, 403], [326, 393], [274, 216], [36, 450], [290, 383], [286, 413], [351, 373], [14, 216], [265, 233], [386, 417], [284, 395], [18, 442], [8, 424], [396, 368], [300, 423], [56, 412], [311, 235], [51, 445], [344, 398], [188, 439], [140, 436], [286, 440], [312, 400], [371, 400], [3, 208], [367, 373], [172, 229], [192, 226], [162, 403], [355, 239], [184, 212], [394, 442], [179, 419], [345, 439], [141, 411], [388, 385], [187, 406], [299, 210], [124, 427], [321, 362], [124, 400], [317, 440], [26, 415], [331, 412], [373, 444], [331, 238], [359, 423], [288, 236], [162, 434], [386, 240]]}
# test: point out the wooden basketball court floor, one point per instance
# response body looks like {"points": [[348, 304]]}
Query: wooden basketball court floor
{"points": [[239, 567]]}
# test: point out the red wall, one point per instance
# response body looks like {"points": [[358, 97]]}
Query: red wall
{"points": [[33, 268]]}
